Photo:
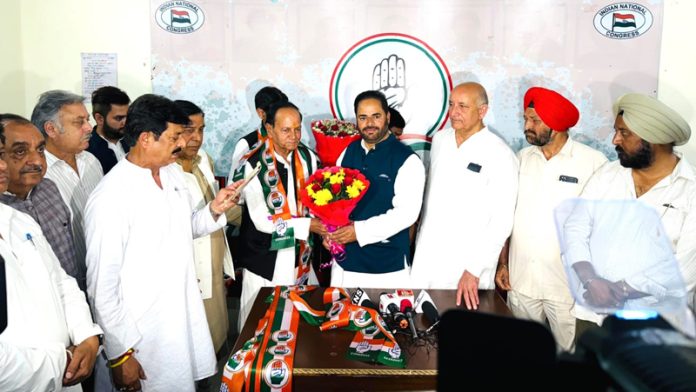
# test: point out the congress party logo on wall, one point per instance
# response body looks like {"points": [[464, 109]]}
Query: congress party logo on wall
{"points": [[180, 17], [623, 20], [408, 71]]}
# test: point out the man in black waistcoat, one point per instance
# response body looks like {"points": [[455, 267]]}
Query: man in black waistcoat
{"points": [[275, 242], [377, 242], [109, 109]]}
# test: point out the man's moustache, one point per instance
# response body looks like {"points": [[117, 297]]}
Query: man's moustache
{"points": [[31, 169]]}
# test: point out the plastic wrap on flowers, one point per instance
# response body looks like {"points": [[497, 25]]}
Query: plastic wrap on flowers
{"points": [[332, 137], [329, 148], [331, 194]]}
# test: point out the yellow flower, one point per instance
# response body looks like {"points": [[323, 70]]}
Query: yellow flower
{"points": [[358, 184], [326, 174], [310, 190], [336, 179], [352, 191], [342, 173], [322, 197]]}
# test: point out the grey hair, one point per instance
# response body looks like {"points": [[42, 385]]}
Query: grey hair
{"points": [[49, 105]]}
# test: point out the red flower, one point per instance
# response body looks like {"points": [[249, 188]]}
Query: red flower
{"points": [[334, 127], [335, 189], [316, 187]]}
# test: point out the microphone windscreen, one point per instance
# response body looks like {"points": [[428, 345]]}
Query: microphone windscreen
{"points": [[369, 304], [430, 312], [406, 305]]}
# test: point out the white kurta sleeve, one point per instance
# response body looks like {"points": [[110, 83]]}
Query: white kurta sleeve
{"points": [[32, 368], [685, 252], [77, 314], [107, 231], [501, 193], [202, 222], [407, 201], [576, 233], [241, 148]]}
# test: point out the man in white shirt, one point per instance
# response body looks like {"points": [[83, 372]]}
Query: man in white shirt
{"points": [[469, 201], [62, 118], [50, 342], [552, 169], [109, 108], [141, 281], [650, 171], [377, 243]]}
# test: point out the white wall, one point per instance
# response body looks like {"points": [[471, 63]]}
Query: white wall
{"points": [[677, 80], [42, 41], [12, 89], [54, 33]]}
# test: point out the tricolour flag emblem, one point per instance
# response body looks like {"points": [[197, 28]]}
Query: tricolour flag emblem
{"points": [[623, 20], [180, 16]]}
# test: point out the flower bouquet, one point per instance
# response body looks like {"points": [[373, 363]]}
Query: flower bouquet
{"points": [[332, 137], [331, 194]]}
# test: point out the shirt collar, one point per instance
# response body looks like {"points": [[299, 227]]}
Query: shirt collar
{"points": [[566, 150], [683, 169], [284, 160], [196, 160], [52, 159], [383, 142]]}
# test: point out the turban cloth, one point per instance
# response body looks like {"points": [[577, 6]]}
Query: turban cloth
{"points": [[652, 120], [555, 111]]}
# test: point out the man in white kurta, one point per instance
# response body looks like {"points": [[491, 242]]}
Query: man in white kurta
{"points": [[47, 312], [648, 170], [554, 168], [469, 202], [141, 281]]}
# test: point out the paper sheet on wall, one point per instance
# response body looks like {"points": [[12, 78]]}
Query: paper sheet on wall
{"points": [[98, 69]]}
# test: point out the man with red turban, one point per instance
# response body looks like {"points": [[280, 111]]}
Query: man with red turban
{"points": [[552, 169]]}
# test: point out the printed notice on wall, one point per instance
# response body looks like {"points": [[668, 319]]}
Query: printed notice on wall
{"points": [[98, 69]]}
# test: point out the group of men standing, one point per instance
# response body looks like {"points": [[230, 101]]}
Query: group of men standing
{"points": [[124, 241], [128, 214], [487, 213]]}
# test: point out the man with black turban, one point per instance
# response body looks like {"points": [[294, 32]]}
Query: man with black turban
{"points": [[554, 168], [648, 170]]}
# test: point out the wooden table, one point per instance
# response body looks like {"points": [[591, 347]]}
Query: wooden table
{"points": [[320, 362]]}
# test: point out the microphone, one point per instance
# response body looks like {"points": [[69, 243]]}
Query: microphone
{"points": [[431, 314], [407, 309], [360, 298], [390, 303], [398, 316], [424, 304]]}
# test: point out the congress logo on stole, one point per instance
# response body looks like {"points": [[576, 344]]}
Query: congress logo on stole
{"points": [[276, 373]]}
